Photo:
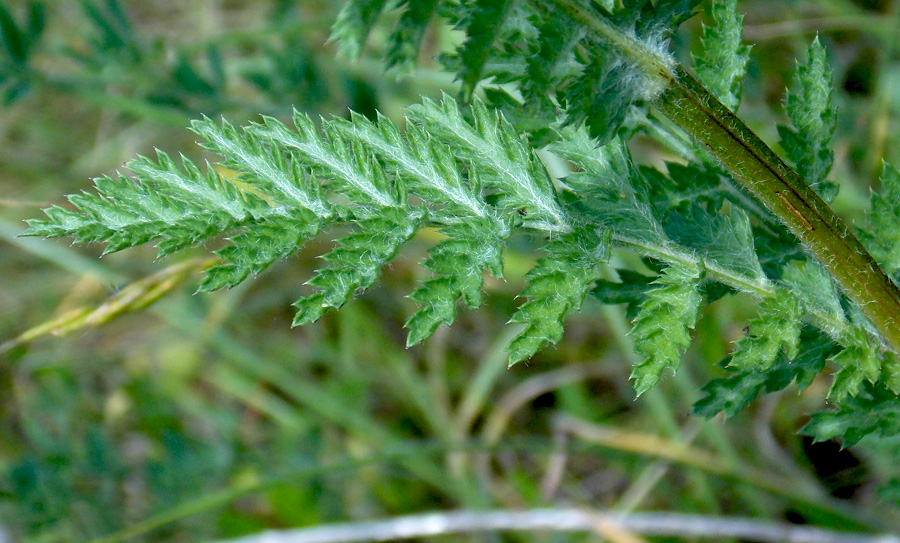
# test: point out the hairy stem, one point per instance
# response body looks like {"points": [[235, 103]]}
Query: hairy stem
{"points": [[765, 175], [761, 172]]}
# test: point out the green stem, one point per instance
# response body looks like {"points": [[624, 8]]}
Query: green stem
{"points": [[761, 172], [765, 175]]}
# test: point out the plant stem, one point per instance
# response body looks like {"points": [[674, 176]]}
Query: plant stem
{"points": [[765, 175], [761, 172]]}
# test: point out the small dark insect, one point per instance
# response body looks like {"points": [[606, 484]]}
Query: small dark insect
{"points": [[523, 212]]}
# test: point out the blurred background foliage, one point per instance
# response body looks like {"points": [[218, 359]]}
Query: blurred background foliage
{"points": [[208, 416]]}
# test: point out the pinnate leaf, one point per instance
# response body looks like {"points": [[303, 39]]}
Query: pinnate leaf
{"points": [[661, 328], [356, 261], [723, 240], [501, 157], [875, 411], [733, 393], [816, 292], [353, 24], [458, 263], [775, 330], [723, 64], [486, 18], [858, 361], [808, 106], [557, 284], [258, 245], [882, 234]]}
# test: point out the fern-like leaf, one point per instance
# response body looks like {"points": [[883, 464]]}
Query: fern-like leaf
{"points": [[724, 240], [406, 37], [553, 62], [356, 262], [731, 394], [776, 329], [557, 284], [284, 186], [176, 206], [604, 189], [258, 245], [353, 24], [858, 361], [723, 64], [661, 329], [808, 106], [426, 168], [599, 99], [476, 230], [875, 411], [458, 264], [817, 294], [265, 167], [334, 159], [502, 158], [486, 17], [882, 234]]}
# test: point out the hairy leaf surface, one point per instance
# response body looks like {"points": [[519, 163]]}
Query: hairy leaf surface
{"points": [[774, 331], [661, 328], [882, 234], [808, 106], [557, 284], [723, 64]]}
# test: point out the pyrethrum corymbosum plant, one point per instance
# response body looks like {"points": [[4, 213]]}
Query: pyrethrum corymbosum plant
{"points": [[579, 79]]}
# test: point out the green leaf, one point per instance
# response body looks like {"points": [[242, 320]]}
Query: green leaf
{"points": [[630, 289], [599, 99], [816, 292], [658, 19], [259, 245], [356, 261], [177, 206], [554, 62], [502, 159], [661, 329], [353, 24], [344, 165], [556, 285], [882, 233], [458, 263], [684, 184], [264, 167], [483, 29], [858, 361], [808, 106], [406, 38], [426, 168], [723, 64], [733, 393], [876, 411], [775, 330], [284, 186], [605, 190], [724, 240]]}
